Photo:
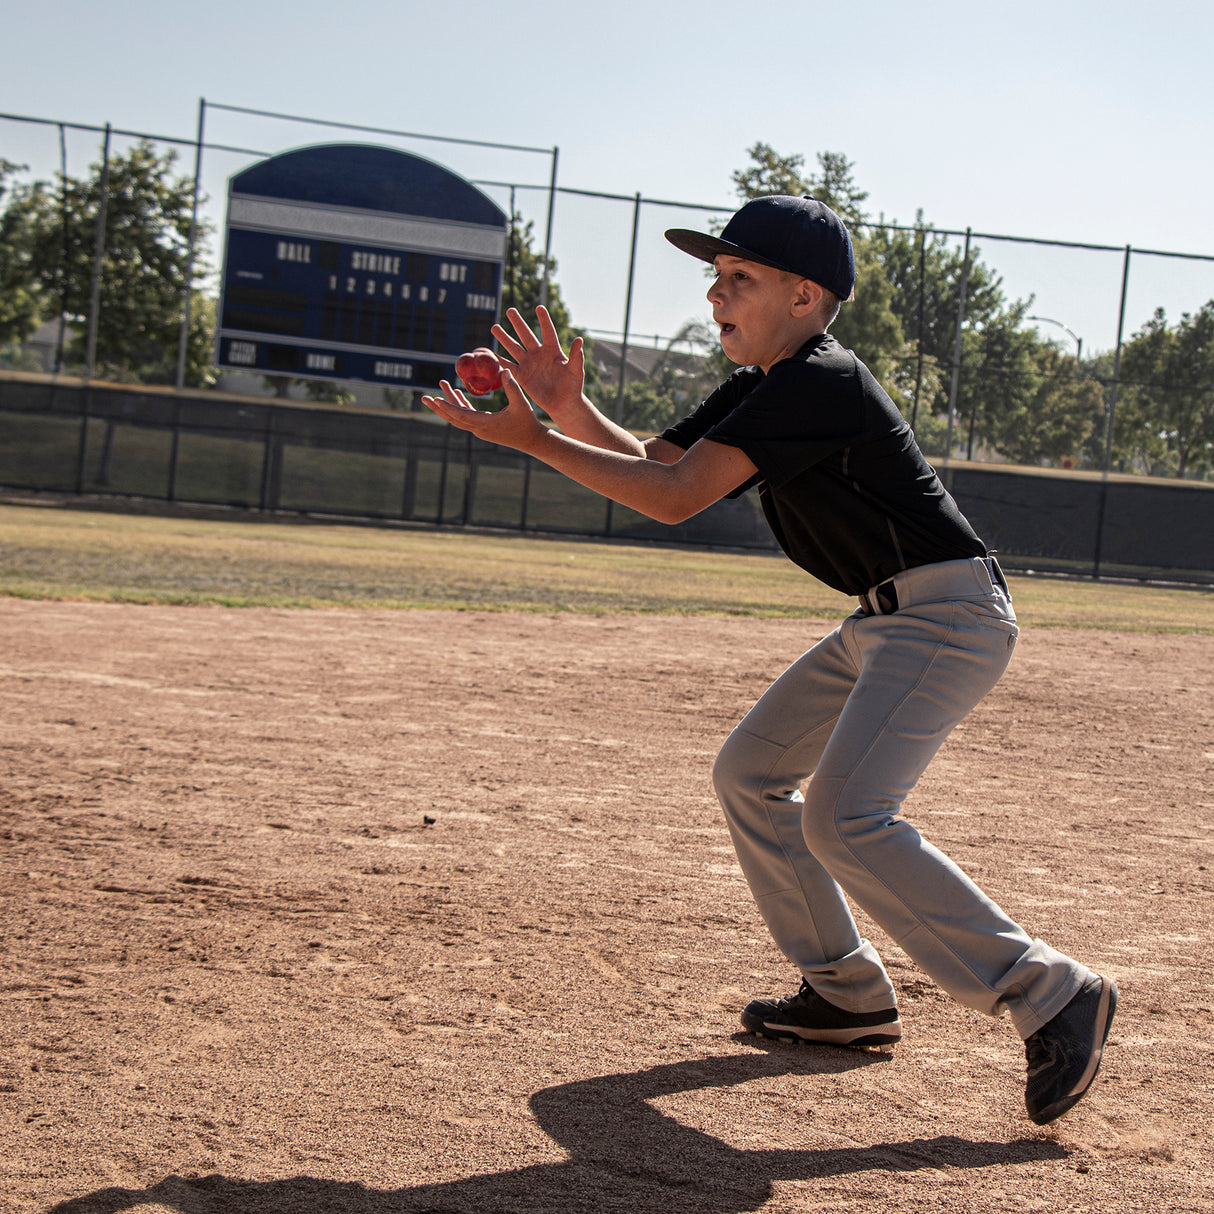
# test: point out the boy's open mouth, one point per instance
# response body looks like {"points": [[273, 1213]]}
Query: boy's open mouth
{"points": [[726, 328]]}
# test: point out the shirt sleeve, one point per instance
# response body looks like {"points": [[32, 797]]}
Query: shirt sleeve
{"points": [[687, 432], [794, 418]]}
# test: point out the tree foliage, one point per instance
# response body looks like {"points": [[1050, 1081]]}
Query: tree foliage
{"points": [[924, 271], [1051, 412], [50, 241], [1166, 408], [833, 183], [331, 391], [22, 302], [522, 288], [1018, 398], [690, 366], [646, 407], [523, 278], [869, 324]]}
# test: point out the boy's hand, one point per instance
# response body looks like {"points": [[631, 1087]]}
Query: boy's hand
{"points": [[553, 379], [515, 426]]}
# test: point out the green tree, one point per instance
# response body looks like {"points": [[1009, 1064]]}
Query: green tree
{"points": [[833, 184], [22, 300], [1165, 412], [645, 407], [689, 367], [1050, 412], [869, 324], [323, 391], [925, 270], [1006, 371], [200, 369], [692, 364], [769, 173], [523, 278], [522, 286], [1096, 448], [145, 266], [998, 378]]}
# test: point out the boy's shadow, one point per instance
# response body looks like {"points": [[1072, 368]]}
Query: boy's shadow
{"points": [[624, 1155]]}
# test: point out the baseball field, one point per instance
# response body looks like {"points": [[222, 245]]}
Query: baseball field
{"points": [[378, 872]]}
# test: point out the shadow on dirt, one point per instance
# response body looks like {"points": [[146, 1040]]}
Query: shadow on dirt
{"points": [[625, 1156]]}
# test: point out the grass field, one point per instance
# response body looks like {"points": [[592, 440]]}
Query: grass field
{"points": [[50, 552]]}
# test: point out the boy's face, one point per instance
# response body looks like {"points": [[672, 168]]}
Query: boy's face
{"points": [[762, 312]]}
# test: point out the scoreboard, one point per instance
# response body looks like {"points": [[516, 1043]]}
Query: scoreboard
{"points": [[355, 262]]}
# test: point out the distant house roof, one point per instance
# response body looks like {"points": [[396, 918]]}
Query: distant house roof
{"points": [[642, 359]]}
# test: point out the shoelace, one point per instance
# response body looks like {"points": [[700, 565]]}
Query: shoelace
{"points": [[800, 997], [1039, 1053]]}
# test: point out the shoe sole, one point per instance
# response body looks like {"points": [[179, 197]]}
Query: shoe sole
{"points": [[883, 1034], [1104, 1022]]}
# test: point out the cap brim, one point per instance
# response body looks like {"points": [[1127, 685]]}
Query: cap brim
{"points": [[708, 248]]}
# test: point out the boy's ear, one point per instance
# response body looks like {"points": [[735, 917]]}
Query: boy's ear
{"points": [[807, 297]]}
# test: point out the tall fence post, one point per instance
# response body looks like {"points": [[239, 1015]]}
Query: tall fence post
{"points": [[183, 339], [1110, 412], [548, 228], [82, 440], [470, 471], [442, 474], [90, 358], [65, 252], [956, 378], [408, 498], [510, 239], [522, 514], [174, 451], [267, 462], [632, 265], [919, 328]]}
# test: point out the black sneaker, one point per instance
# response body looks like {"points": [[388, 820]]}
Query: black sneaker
{"points": [[806, 1016], [1064, 1054]]}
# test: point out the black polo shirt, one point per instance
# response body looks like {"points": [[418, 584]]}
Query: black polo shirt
{"points": [[842, 482]]}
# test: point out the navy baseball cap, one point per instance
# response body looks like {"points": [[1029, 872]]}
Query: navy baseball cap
{"points": [[801, 235]]}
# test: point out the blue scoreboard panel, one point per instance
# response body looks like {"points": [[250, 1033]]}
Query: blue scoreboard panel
{"points": [[357, 263]]}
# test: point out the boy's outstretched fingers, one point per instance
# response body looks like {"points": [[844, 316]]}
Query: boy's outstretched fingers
{"points": [[524, 338], [514, 426], [453, 406], [552, 378]]}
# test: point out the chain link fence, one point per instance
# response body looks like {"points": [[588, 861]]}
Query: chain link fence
{"points": [[982, 409], [210, 450]]}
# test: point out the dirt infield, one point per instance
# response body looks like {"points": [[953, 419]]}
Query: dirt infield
{"points": [[380, 912]]}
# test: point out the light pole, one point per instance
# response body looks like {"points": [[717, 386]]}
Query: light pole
{"points": [[1074, 336]]}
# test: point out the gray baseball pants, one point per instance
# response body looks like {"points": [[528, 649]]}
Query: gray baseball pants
{"points": [[860, 716]]}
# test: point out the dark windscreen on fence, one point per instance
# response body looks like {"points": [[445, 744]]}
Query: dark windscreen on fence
{"points": [[65, 436]]}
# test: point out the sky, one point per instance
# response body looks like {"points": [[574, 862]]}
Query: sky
{"points": [[1086, 122]]}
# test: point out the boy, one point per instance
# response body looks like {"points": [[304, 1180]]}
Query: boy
{"points": [[852, 500]]}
